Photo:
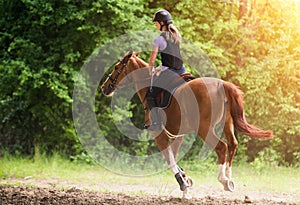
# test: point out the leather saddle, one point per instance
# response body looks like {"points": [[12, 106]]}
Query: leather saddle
{"points": [[164, 98]]}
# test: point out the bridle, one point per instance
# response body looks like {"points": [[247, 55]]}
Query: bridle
{"points": [[113, 81]]}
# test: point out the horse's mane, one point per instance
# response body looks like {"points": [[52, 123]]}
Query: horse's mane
{"points": [[132, 54], [141, 61]]}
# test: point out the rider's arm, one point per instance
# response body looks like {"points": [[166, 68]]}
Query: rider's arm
{"points": [[158, 44], [153, 56]]}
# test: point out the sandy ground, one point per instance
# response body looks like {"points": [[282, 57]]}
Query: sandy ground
{"points": [[33, 191]]}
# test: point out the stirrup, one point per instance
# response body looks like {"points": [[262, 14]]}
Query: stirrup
{"points": [[154, 127]]}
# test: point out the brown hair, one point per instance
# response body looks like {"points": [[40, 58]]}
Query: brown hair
{"points": [[172, 34]]}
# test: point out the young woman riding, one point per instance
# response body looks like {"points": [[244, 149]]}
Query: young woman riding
{"points": [[168, 44]]}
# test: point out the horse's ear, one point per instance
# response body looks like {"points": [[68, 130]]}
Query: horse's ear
{"points": [[127, 56], [130, 53]]}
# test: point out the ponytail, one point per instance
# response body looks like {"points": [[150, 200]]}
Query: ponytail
{"points": [[173, 35]]}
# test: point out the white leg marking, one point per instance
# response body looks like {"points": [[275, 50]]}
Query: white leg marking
{"points": [[172, 165], [221, 175], [185, 194], [228, 171]]}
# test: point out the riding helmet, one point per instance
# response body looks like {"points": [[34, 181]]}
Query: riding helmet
{"points": [[163, 15]]}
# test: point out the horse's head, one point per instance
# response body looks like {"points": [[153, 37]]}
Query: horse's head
{"points": [[120, 72]]}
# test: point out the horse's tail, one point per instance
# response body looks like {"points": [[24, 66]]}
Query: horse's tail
{"points": [[235, 100]]}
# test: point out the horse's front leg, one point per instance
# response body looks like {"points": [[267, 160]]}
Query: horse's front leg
{"points": [[175, 145], [170, 154], [177, 171]]}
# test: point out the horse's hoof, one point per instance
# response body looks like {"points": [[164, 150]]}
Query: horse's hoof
{"points": [[186, 197], [229, 185], [185, 194], [183, 187]]}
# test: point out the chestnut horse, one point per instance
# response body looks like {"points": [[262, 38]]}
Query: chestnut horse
{"points": [[216, 101]]}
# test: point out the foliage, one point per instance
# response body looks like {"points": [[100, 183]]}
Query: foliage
{"points": [[44, 44], [262, 57], [272, 96]]}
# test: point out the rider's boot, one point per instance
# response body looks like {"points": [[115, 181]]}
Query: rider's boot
{"points": [[156, 123]]}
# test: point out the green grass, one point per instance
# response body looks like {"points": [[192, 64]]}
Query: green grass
{"points": [[280, 179], [63, 174]]}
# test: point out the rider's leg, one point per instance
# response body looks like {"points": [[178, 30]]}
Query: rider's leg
{"points": [[167, 80], [155, 117]]}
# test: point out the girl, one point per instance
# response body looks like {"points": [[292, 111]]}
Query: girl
{"points": [[168, 44]]}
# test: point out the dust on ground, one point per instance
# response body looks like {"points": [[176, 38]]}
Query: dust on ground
{"points": [[36, 195], [51, 191]]}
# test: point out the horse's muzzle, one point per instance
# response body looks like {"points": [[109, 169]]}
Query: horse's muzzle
{"points": [[107, 90]]}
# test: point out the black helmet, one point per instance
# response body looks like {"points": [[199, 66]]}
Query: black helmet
{"points": [[163, 15]]}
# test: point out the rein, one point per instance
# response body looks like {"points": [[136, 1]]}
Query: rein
{"points": [[113, 81], [114, 84]]}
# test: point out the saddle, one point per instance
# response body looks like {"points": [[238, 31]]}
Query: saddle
{"points": [[163, 99]]}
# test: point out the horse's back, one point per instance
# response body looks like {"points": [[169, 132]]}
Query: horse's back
{"points": [[206, 89], [201, 98]]}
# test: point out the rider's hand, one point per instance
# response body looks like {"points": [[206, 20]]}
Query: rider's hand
{"points": [[151, 70], [155, 71]]}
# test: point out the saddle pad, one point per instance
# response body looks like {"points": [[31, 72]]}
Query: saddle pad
{"points": [[164, 98]]}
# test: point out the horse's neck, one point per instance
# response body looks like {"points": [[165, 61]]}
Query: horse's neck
{"points": [[142, 89], [142, 95], [141, 62]]}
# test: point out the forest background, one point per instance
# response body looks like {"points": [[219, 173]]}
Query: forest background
{"points": [[44, 43]]}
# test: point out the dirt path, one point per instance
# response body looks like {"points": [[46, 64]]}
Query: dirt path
{"points": [[32, 190], [32, 195]]}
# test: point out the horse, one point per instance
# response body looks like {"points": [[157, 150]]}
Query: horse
{"points": [[216, 101]]}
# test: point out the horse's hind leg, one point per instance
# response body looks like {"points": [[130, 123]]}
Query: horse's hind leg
{"points": [[220, 148], [231, 142]]}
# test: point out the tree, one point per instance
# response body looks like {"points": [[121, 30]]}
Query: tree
{"points": [[260, 56], [43, 46]]}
